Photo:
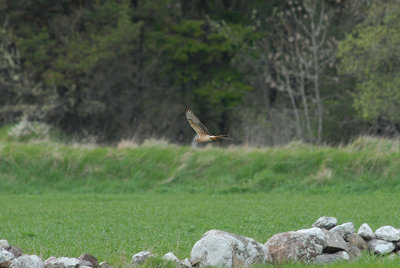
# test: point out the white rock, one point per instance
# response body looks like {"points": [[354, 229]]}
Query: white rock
{"points": [[5, 256], [317, 232], [344, 229], [329, 258], [141, 257], [379, 246], [27, 261], [67, 262], [366, 232], [388, 233], [4, 244], [170, 257], [219, 248], [325, 222]]}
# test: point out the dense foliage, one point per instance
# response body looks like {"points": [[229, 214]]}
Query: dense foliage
{"points": [[264, 72]]}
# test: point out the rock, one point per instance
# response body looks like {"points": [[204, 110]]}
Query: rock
{"points": [[65, 262], [91, 259], [329, 258], [397, 245], [27, 261], [388, 233], [4, 244], [185, 263], [366, 232], [354, 252], [296, 246], [357, 241], [16, 251], [344, 229], [325, 222], [5, 256], [105, 264], [50, 263], [380, 247], [219, 248], [333, 242], [170, 257], [140, 257]]}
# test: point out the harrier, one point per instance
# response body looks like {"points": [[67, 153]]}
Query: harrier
{"points": [[201, 130]]}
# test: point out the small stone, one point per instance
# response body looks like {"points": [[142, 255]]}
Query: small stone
{"points": [[91, 259], [25, 261], [388, 233], [140, 257], [344, 229], [366, 232], [380, 247], [170, 257], [325, 222], [185, 263], [16, 251], [105, 264], [357, 241], [4, 244], [329, 258]]}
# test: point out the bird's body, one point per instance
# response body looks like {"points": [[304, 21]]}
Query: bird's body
{"points": [[201, 130]]}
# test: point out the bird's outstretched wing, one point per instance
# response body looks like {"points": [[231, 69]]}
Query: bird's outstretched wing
{"points": [[195, 123]]}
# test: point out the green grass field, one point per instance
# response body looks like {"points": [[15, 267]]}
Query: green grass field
{"points": [[65, 200]]}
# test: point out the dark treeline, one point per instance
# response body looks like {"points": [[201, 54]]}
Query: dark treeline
{"points": [[264, 72]]}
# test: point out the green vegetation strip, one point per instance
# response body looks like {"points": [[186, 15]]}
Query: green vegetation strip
{"points": [[114, 227], [41, 167]]}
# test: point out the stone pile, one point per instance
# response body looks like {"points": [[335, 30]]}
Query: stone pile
{"points": [[325, 242], [13, 257]]}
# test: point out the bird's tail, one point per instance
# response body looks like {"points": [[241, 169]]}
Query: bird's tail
{"points": [[222, 137]]}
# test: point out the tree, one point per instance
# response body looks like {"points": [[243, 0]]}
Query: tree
{"points": [[291, 61], [371, 55]]}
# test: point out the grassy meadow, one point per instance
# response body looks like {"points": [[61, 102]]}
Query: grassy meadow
{"points": [[66, 199]]}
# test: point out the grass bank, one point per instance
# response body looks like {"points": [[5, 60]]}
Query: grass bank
{"points": [[366, 165]]}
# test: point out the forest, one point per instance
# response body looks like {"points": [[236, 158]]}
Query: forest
{"points": [[263, 72]]}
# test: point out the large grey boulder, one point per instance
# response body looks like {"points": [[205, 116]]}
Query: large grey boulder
{"points": [[329, 258], [219, 248], [325, 222], [388, 233], [302, 245], [141, 257], [27, 261], [366, 232], [380, 247], [344, 229]]}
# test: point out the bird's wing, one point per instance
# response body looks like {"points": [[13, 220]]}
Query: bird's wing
{"points": [[195, 123]]}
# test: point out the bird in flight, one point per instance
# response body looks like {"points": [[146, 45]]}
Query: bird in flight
{"points": [[201, 130]]}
